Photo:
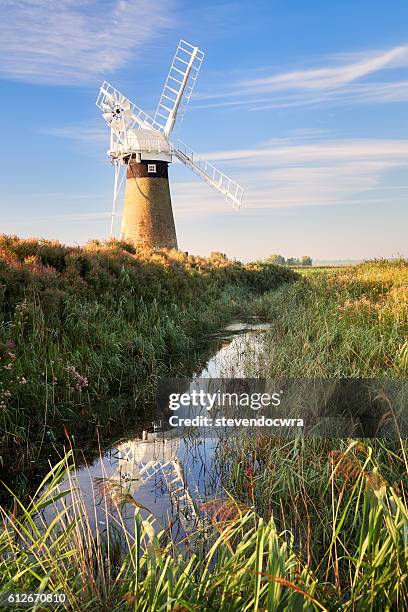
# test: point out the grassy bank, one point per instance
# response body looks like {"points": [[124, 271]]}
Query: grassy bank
{"points": [[344, 322], [334, 498], [80, 324]]}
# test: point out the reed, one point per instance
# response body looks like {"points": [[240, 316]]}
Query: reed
{"points": [[344, 502], [346, 322], [247, 562]]}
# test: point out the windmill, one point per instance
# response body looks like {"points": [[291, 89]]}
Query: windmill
{"points": [[140, 148]]}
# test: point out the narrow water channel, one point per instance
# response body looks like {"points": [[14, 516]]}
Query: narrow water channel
{"points": [[167, 475]]}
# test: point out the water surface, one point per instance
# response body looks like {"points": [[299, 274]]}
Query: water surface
{"points": [[168, 475]]}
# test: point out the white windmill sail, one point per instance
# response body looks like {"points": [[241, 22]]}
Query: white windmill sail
{"points": [[179, 85], [232, 191]]}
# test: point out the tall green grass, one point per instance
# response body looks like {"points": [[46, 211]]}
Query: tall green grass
{"points": [[239, 561], [347, 322]]}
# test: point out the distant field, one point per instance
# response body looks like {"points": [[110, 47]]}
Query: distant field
{"points": [[324, 267]]}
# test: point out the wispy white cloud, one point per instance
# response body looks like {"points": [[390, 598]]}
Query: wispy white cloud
{"points": [[72, 41], [346, 149], [338, 81], [355, 93], [329, 77], [317, 173]]}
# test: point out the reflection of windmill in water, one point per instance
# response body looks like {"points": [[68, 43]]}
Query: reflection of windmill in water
{"points": [[141, 144], [153, 460]]}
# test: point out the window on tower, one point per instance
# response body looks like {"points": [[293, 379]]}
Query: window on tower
{"points": [[151, 168]]}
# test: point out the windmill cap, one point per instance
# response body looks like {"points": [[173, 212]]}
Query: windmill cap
{"points": [[143, 141]]}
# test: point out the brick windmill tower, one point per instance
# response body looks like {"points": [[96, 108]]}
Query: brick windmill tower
{"points": [[140, 149]]}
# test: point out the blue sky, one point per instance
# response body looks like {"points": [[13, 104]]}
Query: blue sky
{"points": [[303, 103]]}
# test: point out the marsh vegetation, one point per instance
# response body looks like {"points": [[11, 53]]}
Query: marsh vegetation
{"points": [[306, 524], [81, 325]]}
